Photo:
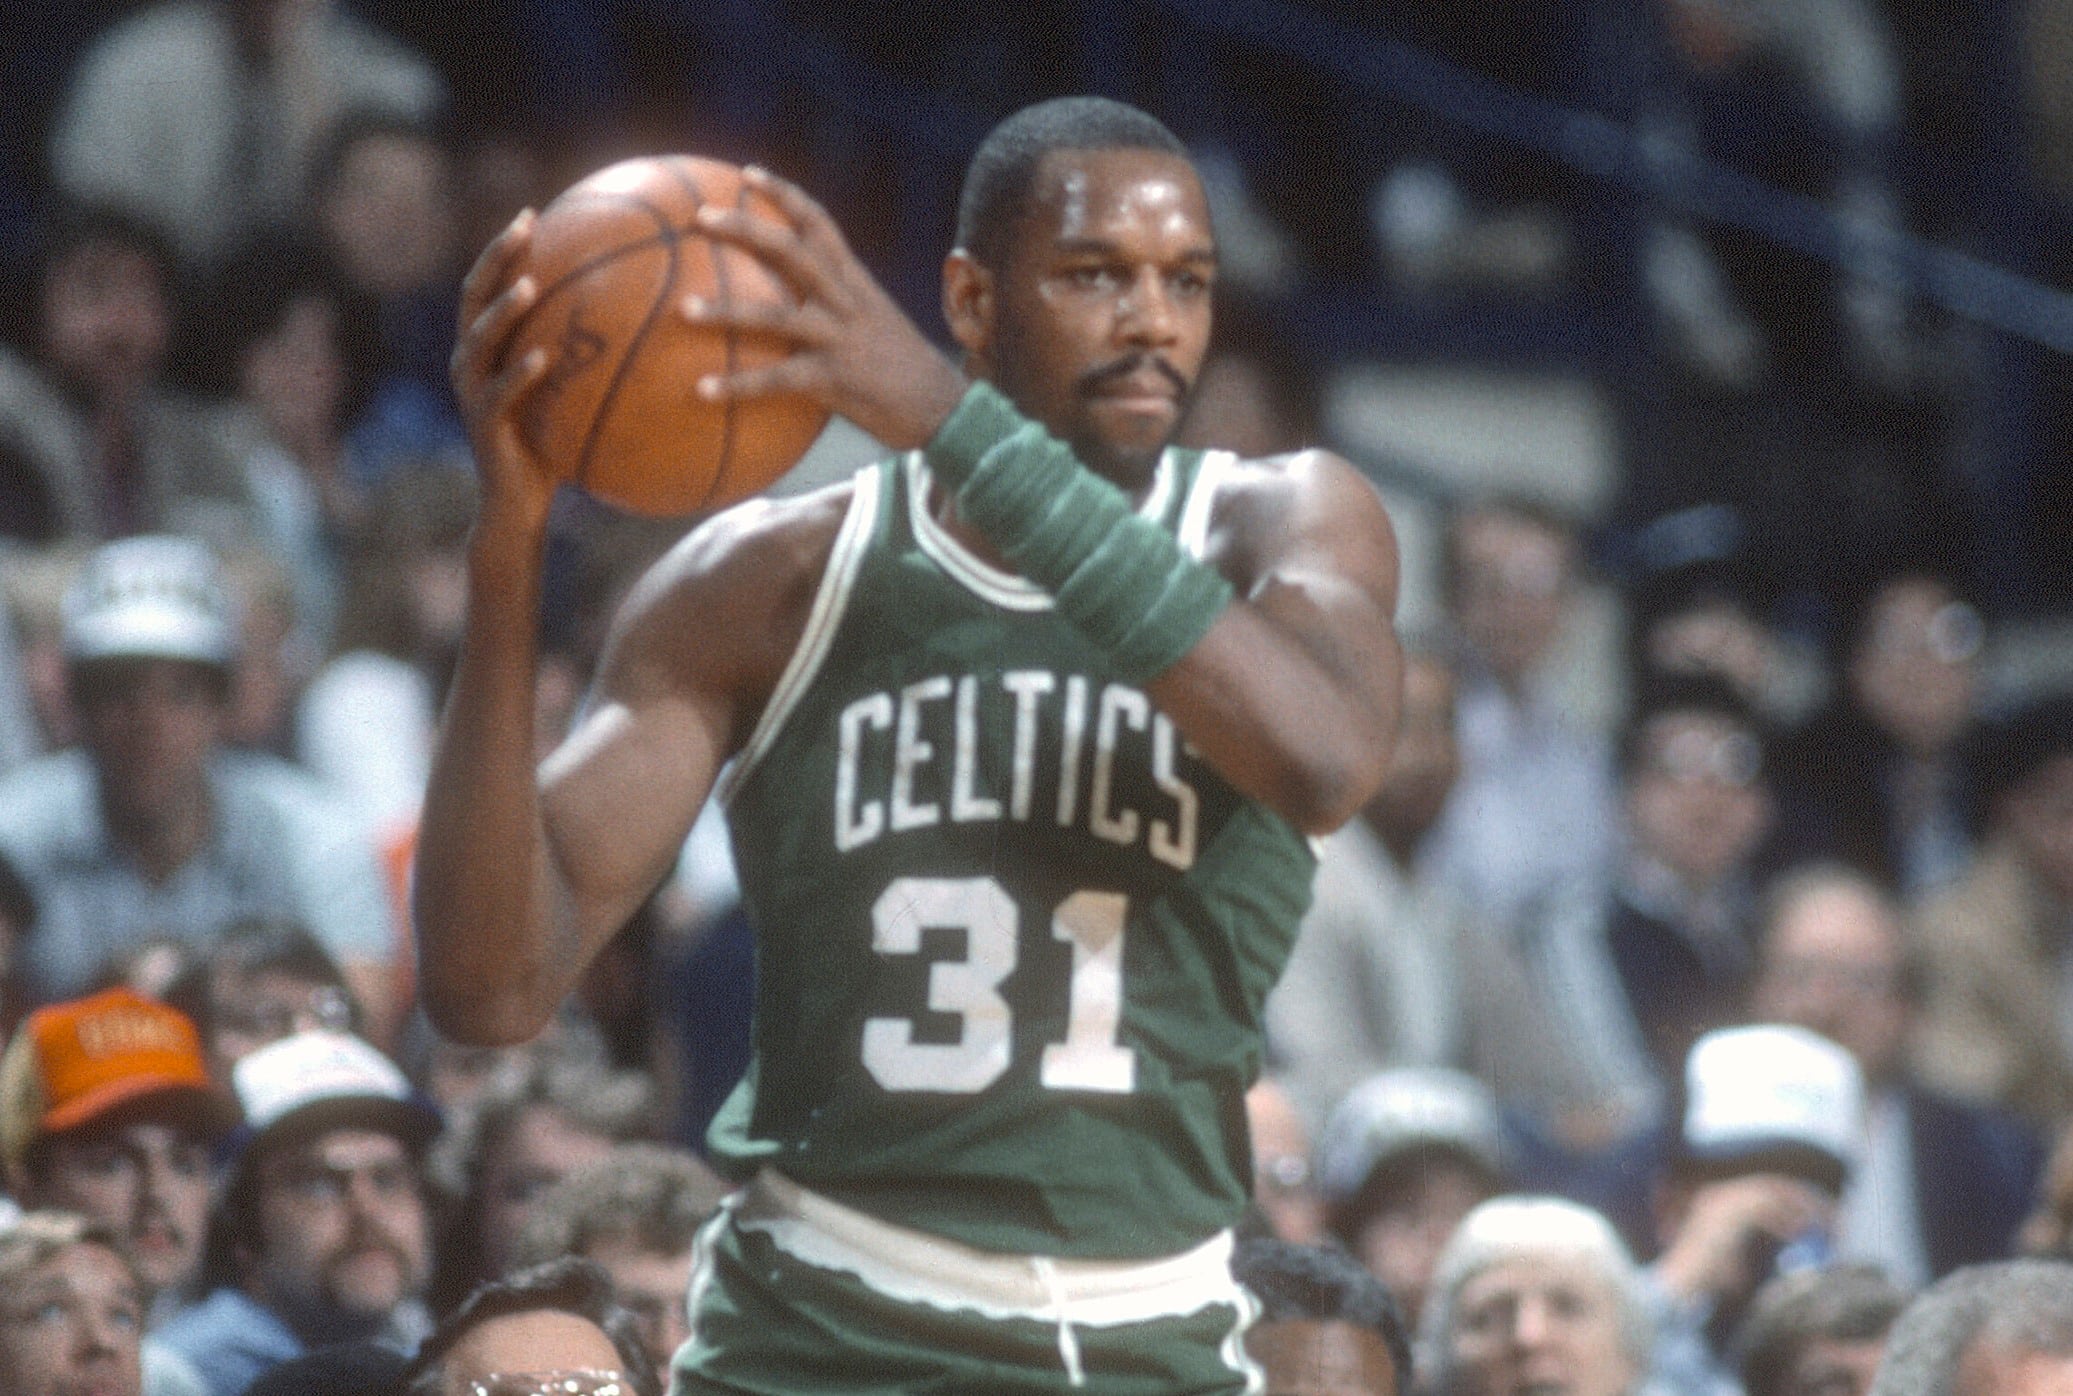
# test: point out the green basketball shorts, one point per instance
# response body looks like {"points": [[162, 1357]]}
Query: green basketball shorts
{"points": [[793, 1294]]}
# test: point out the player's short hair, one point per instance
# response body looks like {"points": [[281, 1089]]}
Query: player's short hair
{"points": [[998, 180], [1833, 1303], [1322, 1284], [2021, 1306], [651, 1195], [570, 1285]]}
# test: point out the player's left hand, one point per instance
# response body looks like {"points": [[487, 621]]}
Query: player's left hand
{"points": [[853, 348]]}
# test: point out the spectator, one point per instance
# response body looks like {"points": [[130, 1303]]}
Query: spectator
{"points": [[637, 1214], [71, 1311], [94, 442], [541, 1117], [1674, 929], [1819, 1332], [1886, 772], [1536, 1294], [1771, 1125], [265, 978], [1391, 969], [1534, 809], [107, 1109], [385, 199], [152, 826], [204, 116], [1939, 1183], [1998, 975], [1991, 1330], [293, 351], [1695, 609], [556, 1318], [1284, 1177], [1326, 1326], [1405, 1156], [365, 721], [322, 1236]]}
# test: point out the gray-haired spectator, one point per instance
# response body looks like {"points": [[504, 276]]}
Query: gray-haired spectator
{"points": [[636, 1214], [1819, 1332], [1991, 1330], [1406, 1155], [1537, 1294]]}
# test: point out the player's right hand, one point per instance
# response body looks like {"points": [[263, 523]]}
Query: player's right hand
{"points": [[516, 489]]}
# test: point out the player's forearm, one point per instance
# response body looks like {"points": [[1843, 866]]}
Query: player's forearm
{"points": [[1307, 737], [484, 899], [1290, 692]]}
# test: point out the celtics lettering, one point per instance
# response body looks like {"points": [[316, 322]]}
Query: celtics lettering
{"points": [[1021, 745]]}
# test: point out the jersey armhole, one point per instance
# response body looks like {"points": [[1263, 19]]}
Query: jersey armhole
{"points": [[1192, 531], [830, 603]]}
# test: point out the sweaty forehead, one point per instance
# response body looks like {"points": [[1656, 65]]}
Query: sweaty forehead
{"points": [[1104, 194]]}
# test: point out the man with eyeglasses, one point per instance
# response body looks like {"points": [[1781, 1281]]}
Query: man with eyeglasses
{"points": [[1639, 969], [325, 1224], [1887, 774]]}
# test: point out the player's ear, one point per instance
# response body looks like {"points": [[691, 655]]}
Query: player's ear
{"points": [[968, 302]]}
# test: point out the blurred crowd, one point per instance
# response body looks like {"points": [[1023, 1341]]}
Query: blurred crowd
{"points": [[1698, 990]]}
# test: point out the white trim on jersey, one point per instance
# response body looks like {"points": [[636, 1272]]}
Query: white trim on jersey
{"points": [[829, 603], [915, 1267], [989, 583], [1193, 533]]}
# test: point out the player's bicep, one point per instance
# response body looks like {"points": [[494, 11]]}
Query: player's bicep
{"points": [[618, 798], [1325, 573]]}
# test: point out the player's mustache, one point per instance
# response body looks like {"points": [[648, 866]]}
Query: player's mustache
{"points": [[1097, 378]]}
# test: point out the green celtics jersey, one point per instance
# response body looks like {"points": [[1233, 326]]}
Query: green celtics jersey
{"points": [[1014, 935]]}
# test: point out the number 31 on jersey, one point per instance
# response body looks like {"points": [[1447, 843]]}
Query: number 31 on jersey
{"points": [[1089, 1059]]}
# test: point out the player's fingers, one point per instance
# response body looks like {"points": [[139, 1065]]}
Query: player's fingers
{"points": [[802, 324], [489, 334], [813, 221], [776, 245], [495, 265], [506, 392], [799, 373]]}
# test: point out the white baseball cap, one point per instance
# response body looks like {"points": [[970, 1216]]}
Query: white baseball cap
{"points": [[1404, 1110], [324, 1078], [157, 596], [1771, 1089]]}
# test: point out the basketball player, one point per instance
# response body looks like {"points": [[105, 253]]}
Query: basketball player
{"points": [[1021, 733]]}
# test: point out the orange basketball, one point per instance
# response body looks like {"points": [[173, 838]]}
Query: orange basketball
{"points": [[618, 413]]}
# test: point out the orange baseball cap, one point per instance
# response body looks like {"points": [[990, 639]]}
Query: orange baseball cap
{"points": [[73, 1062]]}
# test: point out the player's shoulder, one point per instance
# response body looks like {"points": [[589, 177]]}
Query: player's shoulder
{"points": [[759, 542], [1313, 483], [732, 595]]}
